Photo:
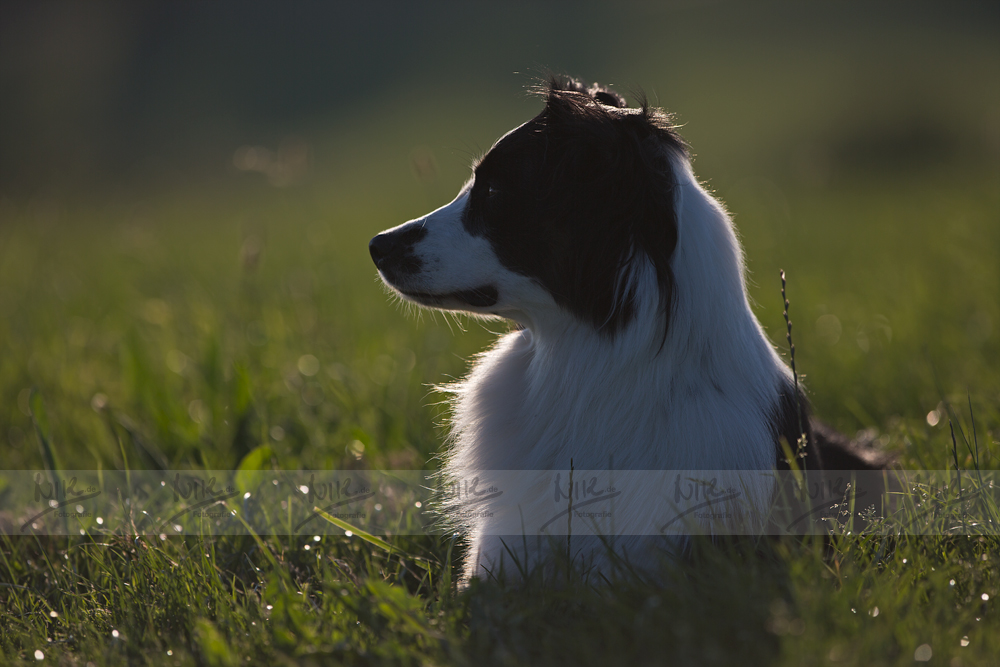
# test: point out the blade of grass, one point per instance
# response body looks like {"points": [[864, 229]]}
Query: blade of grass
{"points": [[371, 539]]}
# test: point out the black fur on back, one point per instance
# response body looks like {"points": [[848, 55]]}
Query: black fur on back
{"points": [[828, 458], [825, 449]]}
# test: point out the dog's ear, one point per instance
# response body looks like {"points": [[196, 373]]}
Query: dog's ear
{"points": [[556, 83], [564, 88], [606, 97]]}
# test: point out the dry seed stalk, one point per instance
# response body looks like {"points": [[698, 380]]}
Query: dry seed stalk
{"points": [[801, 444]]}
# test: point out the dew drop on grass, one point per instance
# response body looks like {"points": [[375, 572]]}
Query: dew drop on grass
{"points": [[951, 583], [964, 641], [923, 653], [986, 596], [114, 633], [53, 614], [39, 655], [933, 417]]}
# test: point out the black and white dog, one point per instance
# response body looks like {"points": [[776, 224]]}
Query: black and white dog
{"points": [[587, 227]]}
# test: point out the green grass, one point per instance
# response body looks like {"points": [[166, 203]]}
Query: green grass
{"points": [[174, 330]]}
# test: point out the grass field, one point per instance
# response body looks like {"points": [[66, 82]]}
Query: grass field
{"points": [[190, 327]]}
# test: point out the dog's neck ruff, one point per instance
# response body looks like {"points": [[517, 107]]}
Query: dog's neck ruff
{"points": [[703, 397]]}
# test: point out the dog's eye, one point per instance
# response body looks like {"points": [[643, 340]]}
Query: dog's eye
{"points": [[492, 190]]}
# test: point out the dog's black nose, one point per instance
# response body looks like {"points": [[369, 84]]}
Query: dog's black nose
{"points": [[392, 251], [379, 247]]}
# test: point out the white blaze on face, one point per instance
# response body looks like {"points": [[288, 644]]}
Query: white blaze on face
{"points": [[452, 261]]}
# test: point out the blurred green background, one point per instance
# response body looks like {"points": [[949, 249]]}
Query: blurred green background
{"points": [[187, 190]]}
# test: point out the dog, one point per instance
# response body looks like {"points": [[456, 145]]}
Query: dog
{"points": [[633, 340]]}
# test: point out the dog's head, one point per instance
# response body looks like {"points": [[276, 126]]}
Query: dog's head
{"points": [[556, 219]]}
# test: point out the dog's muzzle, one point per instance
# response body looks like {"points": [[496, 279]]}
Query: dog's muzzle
{"points": [[393, 253]]}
